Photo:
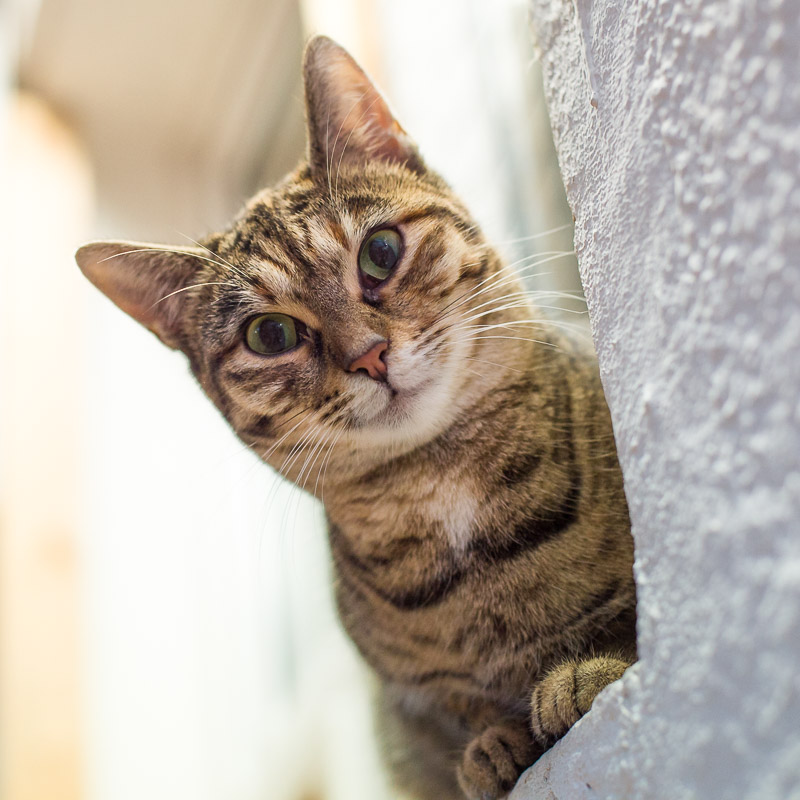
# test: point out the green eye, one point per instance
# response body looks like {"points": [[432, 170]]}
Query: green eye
{"points": [[270, 334], [379, 255]]}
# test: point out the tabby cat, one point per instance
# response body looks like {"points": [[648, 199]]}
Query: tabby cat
{"points": [[359, 334]]}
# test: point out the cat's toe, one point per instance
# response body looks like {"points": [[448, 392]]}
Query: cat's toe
{"points": [[493, 762], [554, 708], [567, 693]]}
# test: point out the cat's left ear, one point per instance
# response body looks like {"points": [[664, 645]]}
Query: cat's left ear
{"points": [[145, 281], [348, 120]]}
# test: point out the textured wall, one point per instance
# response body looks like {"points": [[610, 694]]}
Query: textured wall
{"points": [[678, 131]]}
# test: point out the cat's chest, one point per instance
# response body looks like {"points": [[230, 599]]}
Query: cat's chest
{"points": [[376, 513], [441, 635]]}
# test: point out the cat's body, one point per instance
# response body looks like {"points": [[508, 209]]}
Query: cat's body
{"points": [[359, 334]]}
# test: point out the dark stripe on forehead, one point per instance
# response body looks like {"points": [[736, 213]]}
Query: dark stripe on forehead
{"points": [[247, 241], [275, 229], [359, 203], [227, 313], [435, 211], [299, 201], [337, 231]]}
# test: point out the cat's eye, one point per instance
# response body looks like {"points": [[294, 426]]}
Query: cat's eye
{"points": [[378, 256], [270, 334]]}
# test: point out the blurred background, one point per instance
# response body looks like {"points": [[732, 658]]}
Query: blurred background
{"points": [[166, 624]]}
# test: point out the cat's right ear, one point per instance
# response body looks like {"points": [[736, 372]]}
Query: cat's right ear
{"points": [[349, 121], [146, 281]]}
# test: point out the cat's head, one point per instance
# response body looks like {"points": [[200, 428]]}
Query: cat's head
{"points": [[337, 304]]}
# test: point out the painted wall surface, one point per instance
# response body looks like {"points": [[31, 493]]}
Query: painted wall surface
{"points": [[678, 131]]}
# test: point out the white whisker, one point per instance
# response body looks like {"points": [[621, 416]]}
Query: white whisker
{"points": [[186, 289], [558, 229]]}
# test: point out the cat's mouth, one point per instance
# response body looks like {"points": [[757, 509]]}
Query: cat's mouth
{"points": [[402, 402]]}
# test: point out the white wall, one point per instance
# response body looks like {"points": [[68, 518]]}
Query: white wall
{"points": [[678, 131]]}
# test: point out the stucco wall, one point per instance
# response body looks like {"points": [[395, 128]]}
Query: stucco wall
{"points": [[678, 131]]}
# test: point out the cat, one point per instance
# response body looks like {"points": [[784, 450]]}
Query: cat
{"points": [[359, 333]]}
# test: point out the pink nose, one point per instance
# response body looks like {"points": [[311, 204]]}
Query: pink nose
{"points": [[372, 362]]}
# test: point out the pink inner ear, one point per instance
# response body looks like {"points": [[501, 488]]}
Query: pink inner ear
{"points": [[143, 280]]}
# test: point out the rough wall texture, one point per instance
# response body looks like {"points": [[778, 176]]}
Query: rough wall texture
{"points": [[678, 131]]}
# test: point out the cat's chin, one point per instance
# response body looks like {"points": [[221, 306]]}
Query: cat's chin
{"points": [[410, 416], [419, 402]]}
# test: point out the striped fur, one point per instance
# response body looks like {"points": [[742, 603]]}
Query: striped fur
{"points": [[478, 525]]}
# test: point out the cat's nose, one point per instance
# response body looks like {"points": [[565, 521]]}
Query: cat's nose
{"points": [[372, 362]]}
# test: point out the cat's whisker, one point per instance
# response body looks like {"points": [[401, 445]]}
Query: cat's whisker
{"points": [[347, 141], [506, 306], [518, 338], [519, 299], [223, 262], [286, 466], [493, 303], [494, 364], [187, 288], [336, 141], [294, 416], [537, 295], [544, 322], [296, 450], [322, 452], [327, 153], [326, 463], [316, 445], [265, 456], [474, 372], [557, 229], [520, 302], [507, 271], [311, 460], [572, 327], [174, 250], [319, 450], [509, 274]]}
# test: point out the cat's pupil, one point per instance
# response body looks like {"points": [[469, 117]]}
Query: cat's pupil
{"points": [[272, 335], [381, 254]]}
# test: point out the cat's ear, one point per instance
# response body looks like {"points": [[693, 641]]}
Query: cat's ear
{"points": [[144, 280], [348, 120]]}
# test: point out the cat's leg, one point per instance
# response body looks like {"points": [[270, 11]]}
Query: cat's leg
{"points": [[420, 751], [567, 692], [493, 761]]}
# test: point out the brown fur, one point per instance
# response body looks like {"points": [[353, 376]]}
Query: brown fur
{"points": [[478, 525]]}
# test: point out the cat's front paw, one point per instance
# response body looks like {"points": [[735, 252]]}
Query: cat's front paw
{"points": [[493, 761], [567, 693]]}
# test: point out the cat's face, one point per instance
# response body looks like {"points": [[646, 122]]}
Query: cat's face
{"points": [[336, 305]]}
